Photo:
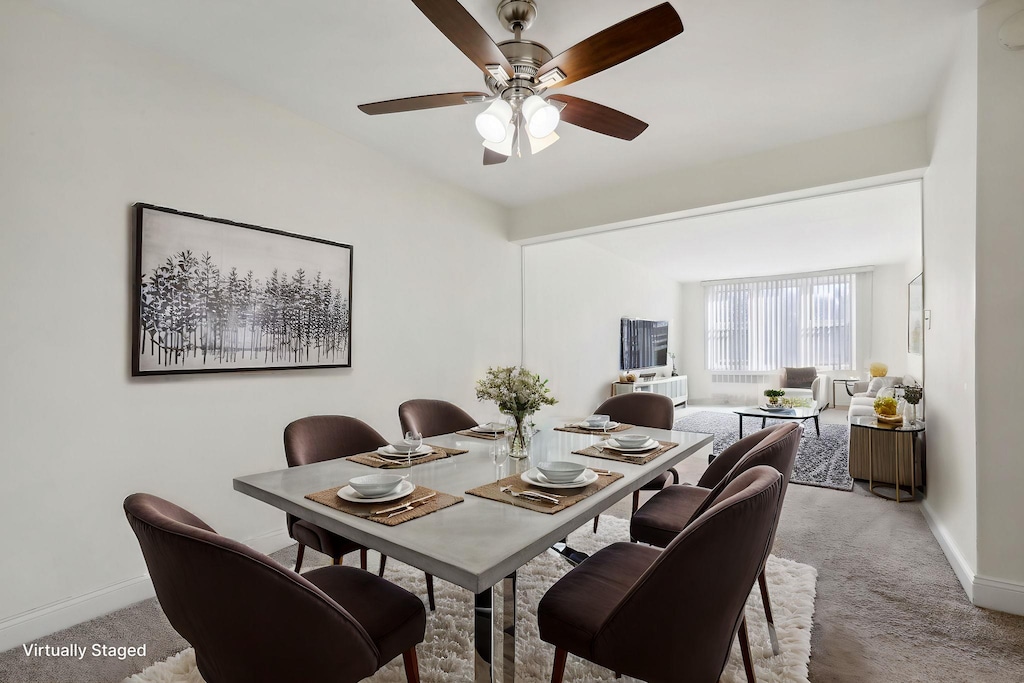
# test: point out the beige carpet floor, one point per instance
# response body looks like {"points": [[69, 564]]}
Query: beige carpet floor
{"points": [[888, 606]]}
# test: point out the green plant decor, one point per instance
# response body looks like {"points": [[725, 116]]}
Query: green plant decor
{"points": [[518, 393]]}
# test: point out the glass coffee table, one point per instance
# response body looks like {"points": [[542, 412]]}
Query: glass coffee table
{"points": [[780, 414]]}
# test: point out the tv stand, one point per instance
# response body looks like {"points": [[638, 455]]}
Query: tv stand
{"points": [[673, 387]]}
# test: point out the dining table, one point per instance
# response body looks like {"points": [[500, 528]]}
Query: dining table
{"points": [[478, 544]]}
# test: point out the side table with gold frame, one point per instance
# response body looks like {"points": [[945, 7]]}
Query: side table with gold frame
{"points": [[896, 448]]}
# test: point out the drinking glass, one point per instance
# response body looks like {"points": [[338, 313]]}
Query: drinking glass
{"points": [[499, 454], [413, 440]]}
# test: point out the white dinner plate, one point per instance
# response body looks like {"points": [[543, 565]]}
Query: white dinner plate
{"points": [[533, 476], [613, 444], [773, 409], [348, 493], [486, 429], [390, 452], [610, 425]]}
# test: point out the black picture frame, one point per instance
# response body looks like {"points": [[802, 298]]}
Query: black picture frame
{"points": [[915, 315], [214, 295]]}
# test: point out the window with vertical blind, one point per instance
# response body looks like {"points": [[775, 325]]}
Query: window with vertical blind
{"points": [[784, 322]]}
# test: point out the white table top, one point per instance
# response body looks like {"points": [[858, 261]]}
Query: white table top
{"points": [[478, 542]]}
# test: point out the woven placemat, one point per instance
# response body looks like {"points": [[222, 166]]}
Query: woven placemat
{"points": [[593, 432], [329, 497], [482, 435], [611, 454], [568, 497], [371, 459]]}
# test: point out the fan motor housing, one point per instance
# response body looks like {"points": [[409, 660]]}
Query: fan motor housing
{"points": [[521, 12]]}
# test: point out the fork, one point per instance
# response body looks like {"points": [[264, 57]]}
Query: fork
{"points": [[532, 495]]}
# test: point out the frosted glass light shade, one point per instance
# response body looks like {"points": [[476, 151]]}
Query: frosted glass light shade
{"points": [[492, 123], [503, 146], [541, 117], [538, 145]]}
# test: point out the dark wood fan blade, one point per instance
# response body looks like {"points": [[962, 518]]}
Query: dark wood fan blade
{"points": [[616, 44], [449, 99], [599, 118], [491, 157], [459, 26]]}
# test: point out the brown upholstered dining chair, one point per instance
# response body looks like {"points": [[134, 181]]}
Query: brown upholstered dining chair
{"points": [[325, 437], [241, 610], [670, 511], [672, 614], [643, 410], [431, 417]]}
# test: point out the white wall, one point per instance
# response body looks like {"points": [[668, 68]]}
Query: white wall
{"points": [[949, 265], [87, 127], [1000, 323], [575, 295]]}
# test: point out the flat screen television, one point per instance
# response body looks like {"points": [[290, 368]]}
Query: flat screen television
{"points": [[644, 344]]}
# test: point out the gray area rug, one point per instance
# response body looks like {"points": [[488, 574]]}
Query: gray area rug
{"points": [[821, 461]]}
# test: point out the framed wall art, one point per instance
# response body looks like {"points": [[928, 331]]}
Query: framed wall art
{"points": [[915, 309], [212, 295]]}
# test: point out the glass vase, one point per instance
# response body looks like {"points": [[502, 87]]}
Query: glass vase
{"points": [[910, 414], [519, 437]]}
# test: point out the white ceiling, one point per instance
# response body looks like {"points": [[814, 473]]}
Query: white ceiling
{"points": [[745, 76], [876, 226]]}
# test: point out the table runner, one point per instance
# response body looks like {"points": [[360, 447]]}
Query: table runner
{"points": [[569, 497], [610, 454], [593, 432], [371, 459], [482, 435], [329, 497]]}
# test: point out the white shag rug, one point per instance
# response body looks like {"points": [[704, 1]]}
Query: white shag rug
{"points": [[446, 653]]}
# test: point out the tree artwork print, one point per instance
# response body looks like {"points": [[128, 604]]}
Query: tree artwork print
{"points": [[213, 296]]}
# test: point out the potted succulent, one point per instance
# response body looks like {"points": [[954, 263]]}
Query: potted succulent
{"points": [[773, 396]]}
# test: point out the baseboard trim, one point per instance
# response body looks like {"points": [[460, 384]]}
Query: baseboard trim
{"points": [[39, 622], [997, 594], [964, 572], [42, 621]]}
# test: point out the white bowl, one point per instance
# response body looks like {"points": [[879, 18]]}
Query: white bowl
{"points": [[632, 440], [374, 485], [403, 448], [561, 471], [597, 420]]}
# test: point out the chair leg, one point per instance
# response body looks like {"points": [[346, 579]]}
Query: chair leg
{"points": [[412, 665], [559, 668], [763, 583], [298, 558], [748, 662], [430, 590], [339, 560], [362, 559], [595, 523], [636, 501], [383, 560]]}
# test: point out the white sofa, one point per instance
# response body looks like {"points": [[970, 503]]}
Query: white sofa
{"points": [[864, 393]]}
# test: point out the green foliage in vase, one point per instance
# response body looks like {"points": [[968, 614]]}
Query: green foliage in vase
{"points": [[774, 393], [516, 390], [913, 393]]}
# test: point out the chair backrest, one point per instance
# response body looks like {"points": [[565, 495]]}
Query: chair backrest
{"points": [[777, 449], [678, 620], [640, 408], [798, 378], [326, 437], [431, 417], [239, 609], [720, 467]]}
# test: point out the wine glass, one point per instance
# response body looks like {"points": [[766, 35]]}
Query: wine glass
{"points": [[499, 454], [412, 440]]}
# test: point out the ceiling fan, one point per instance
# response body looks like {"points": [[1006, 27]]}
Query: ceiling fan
{"points": [[519, 72]]}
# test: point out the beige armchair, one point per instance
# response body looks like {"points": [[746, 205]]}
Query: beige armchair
{"points": [[801, 383]]}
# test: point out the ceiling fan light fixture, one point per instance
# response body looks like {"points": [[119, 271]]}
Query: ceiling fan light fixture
{"points": [[503, 146], [493, 122], [538, 145], [541, 117]]}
